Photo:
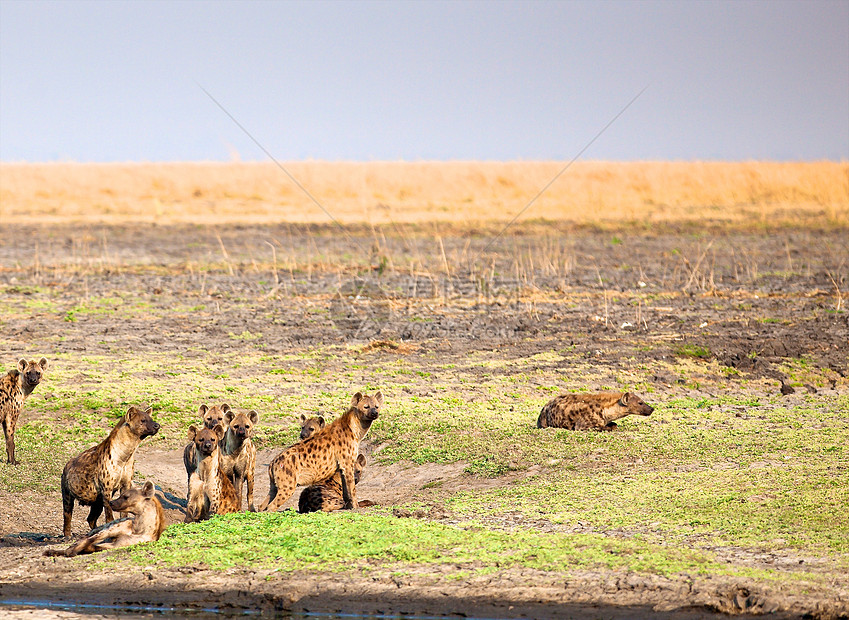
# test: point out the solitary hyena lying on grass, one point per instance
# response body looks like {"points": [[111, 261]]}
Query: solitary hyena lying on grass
{"points": [[579, 412], [146, 524], [14, 389]]}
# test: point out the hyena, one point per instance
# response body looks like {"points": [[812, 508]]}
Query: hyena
{"points": [[210, 416], [92, 477], [146, 524], [238, 454], [15, 386], [316, 459], [310, 426], [210, 490], [327, 496], [580, 412]]}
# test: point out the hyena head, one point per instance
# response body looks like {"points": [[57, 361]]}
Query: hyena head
{"points": [[359, 465], [368, 407], [32, 371], [206, 439], [141, 422], [242, 424], [310, 426], [634, 404], [134, 500], [213, 415]]}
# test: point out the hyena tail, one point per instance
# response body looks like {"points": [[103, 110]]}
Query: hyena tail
{"points": [[542, 420]]}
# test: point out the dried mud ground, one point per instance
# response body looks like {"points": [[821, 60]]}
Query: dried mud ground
{"points": [[624, 303]]}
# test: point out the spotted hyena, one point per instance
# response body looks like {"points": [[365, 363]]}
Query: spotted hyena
{"points": [[327, 496], [580, 412], [210, 416], [310, 426], [210, 490], [318, 458], [92, 477], [15, 386], [146, 524], [238, 454]]}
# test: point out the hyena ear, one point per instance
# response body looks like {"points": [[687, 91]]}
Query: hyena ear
{"points": [[202, 410], [22, 365], [228, 417], [253, 416], [43, 363], [361, 459], [149, 411], [148, 490], [219, 431], [225, 408], [193, 431], [131, 412], [356, 399], [321, 421], [303, 419], [624, 400], [379, 398]]}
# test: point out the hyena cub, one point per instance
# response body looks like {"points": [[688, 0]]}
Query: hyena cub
{"points": [[238, 454], [327, 496], [146, 524], [211, 416], [335, 449], [15, 386], [210, 490], [310, 426], [579, 412], [92, 477]]}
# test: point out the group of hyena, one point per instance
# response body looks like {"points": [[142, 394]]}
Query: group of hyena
{"points": [[220, 459]]}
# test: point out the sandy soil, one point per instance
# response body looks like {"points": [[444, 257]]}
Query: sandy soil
{"points": [[712, 290]]}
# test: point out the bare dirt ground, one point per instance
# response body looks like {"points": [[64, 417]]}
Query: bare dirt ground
{"points": [[751, 300]]}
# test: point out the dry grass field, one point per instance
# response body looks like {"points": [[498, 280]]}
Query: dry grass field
{"points": [[463, 193], [715, 291]]}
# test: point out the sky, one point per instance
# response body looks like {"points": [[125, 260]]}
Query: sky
{"points": [[402, 80]]}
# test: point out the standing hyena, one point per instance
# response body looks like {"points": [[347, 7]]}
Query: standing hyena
{"points": [[238, 454], [92, 477], [15, 386], [210, 490], [318, 458], [579, 412], [211, 417]]}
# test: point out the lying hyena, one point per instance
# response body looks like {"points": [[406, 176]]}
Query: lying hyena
{"points": [[210, 416], [238, 454], [579, 412], [335, 449], [327, 496], [15, 386], [210, 490], [310, 426], [92, 477], [146, 524]]}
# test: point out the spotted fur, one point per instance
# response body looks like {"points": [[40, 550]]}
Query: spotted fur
{"points": [[210, 490], [598, 411], [210, 416], [334, 449], [15, 387], [327, 496], [146, 524], [95, 475], [238, 454]]}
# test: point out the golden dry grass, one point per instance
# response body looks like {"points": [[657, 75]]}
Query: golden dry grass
{"points": [[462, 193]]}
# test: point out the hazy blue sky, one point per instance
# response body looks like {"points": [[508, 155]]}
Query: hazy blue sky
{"points": [[118, 81]]}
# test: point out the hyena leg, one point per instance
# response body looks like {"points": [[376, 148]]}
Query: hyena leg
{"points": [[283, 487], [349, 489], [249, 479], [68, 512], [9, 432], [94, 513]]}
